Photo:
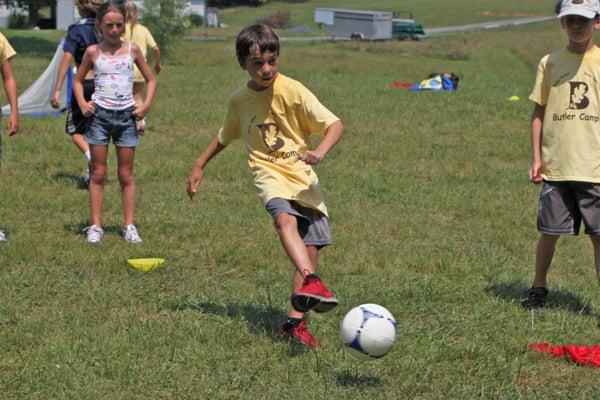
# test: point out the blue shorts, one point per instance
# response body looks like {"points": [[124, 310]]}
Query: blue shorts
{"points": [[118, 125]]}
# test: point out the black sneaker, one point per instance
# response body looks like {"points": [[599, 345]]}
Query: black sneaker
{"points": [[536, 298]]}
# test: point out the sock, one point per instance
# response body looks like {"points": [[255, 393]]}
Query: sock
{"points": [[88, 155], [291, 323]]}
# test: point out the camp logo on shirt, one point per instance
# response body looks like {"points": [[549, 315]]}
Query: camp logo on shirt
{"points": [[270, 135], [578, 99]]}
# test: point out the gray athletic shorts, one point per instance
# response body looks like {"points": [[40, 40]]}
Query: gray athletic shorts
{"points": [[563, 205], [313, 226]]}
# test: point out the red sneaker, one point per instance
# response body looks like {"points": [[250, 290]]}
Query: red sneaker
{"points": [[299, 333], [313, 295]]}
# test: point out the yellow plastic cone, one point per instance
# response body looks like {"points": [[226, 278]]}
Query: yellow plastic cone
{"points": [[145, 264]]}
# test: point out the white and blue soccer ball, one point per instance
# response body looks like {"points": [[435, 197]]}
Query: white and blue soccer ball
{"points": [[368, 331]]}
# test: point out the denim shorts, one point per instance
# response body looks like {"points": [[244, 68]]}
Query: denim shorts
{"points": [[313, 226], [118, 125]]}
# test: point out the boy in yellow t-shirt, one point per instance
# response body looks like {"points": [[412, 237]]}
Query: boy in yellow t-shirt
{"points": [[565, 140], [10, 87], [140, 35], [274, 116]]}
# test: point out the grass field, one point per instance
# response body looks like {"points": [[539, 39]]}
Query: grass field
{"points": [[431, 213]]}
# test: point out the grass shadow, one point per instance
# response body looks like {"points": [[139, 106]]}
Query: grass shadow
{"points": [[34, 46], [557, 298], [348, 379], [70, 178], [77, 229], [260, 320]]}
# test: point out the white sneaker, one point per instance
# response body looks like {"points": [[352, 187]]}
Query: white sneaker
{"points": [[2, 237], [94, 234], [131, 235]]}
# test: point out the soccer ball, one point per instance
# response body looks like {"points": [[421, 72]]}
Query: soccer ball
{"points": [[368, 331]]}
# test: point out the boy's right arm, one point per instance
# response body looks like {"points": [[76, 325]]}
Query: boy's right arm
{"points": [[537, 119], [197, 172], [65, 64]]}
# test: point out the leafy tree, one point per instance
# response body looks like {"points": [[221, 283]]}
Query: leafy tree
{"points": [[167, 20], [32, 6]]}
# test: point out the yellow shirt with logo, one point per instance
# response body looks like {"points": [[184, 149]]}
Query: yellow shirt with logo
{"points": [[141, 36], [275, 125], [568, 85], [6, 50]]}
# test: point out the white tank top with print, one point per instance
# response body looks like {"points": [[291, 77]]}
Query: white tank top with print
{"points": [[113, 81]]}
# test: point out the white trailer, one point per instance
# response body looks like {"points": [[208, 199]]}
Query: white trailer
{"points": [[360, 24]]}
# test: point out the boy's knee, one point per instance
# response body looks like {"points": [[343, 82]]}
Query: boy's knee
{"points": [[286, 221]]}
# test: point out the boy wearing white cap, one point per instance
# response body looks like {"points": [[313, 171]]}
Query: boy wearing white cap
{"points": [[565, 141]]}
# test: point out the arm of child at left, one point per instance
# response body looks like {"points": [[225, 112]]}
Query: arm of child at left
{"points": [[10, 87], [537, 119], [157, 64], [142, 109], [333, 134]]}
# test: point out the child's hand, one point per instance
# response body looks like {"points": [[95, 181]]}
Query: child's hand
{"points": [[535, 173], [140, 112], [158, 68], [13, 124], [311, 157], [88, 109], [195, 179], [54, 102]]}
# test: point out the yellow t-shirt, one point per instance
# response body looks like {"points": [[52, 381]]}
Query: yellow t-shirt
{"points": [[142, 37], [6, 50], [276, 125], [568, 85]]}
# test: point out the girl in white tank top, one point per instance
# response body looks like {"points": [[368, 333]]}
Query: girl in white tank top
{"points": [[114, 111]]}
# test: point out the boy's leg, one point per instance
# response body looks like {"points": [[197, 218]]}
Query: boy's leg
{"points": [[536, 296], [596, 242], [543, 259], [287, 228], [97, 181], [295, 327], [80, 142], [125, 157]]}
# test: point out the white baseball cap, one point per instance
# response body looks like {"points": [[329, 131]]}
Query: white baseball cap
{"points": [[585, 8]]}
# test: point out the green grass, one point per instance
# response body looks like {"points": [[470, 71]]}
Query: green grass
{"points": [[431, 213]]}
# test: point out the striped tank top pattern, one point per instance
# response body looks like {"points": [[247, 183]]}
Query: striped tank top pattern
{"points": [[113, 81]]}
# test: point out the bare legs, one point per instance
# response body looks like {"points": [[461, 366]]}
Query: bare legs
{"points": [[125, 158]]}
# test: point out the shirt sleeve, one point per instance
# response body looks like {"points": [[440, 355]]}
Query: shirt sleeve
{"points": [[150, 42], [315, 117], [6, 50], [541, 88], [231, 126], [70, 43]]}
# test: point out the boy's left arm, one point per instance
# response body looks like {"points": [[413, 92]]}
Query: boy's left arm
{"points": [[10, 87], [333, 134], [141, 63]]}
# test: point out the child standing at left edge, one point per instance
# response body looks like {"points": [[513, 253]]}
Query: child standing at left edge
{"points": [[274, 116], [114, 113], [10, 87]]}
